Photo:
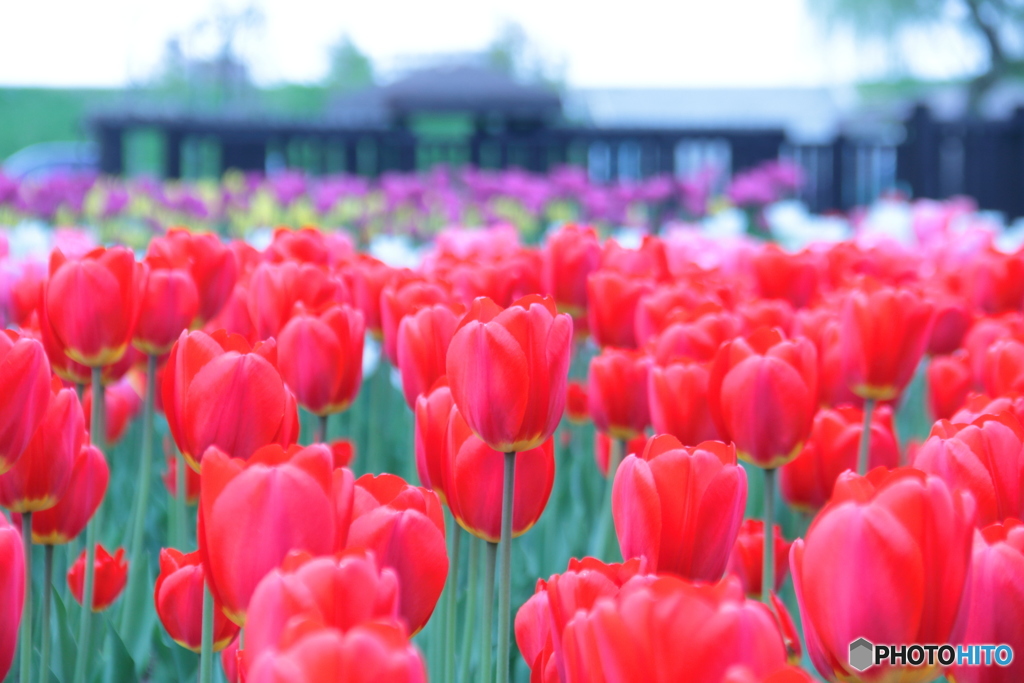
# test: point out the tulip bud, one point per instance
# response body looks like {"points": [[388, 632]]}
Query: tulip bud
{"points": [[473, 475], [179, 602], [321, 358], [40, 477], [404, 527], [92, 303], [507, 370], [747, 558], [86, 488], [12, 591], [886, 560], [617, 392], [24, 394], [994, 600], [680, 508], [762, 393], [111, 576], [241, 541]]}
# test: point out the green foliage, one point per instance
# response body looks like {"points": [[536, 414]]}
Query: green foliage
{"points": [[350, 68]]}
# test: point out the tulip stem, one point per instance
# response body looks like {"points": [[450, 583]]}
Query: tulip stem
{"points": [[26, 614], [96, 434], [206, 651], [768, 573], [320, 435], [145, 475], [864, 454], [485, 673], [44, 652], [505, 596], [181, 498], [472, 587], [450, 616]]}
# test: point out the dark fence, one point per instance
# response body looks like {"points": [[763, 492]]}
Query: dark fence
{"points": [[980, 158]]}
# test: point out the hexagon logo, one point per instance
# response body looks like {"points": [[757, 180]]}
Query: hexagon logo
{"points": [[861, 654]]}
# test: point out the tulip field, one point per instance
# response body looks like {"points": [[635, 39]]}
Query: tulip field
{"points": [[545, 449]]}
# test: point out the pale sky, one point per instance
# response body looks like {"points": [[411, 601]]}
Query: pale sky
{"points": [[641, 43]]}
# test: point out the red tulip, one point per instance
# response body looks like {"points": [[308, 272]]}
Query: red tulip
{"points": [[252, 513], [762, 395], [277, 290], [540, 622], [577, 402], [884, 334], [822, 326], [665, 629], [432, 412], [473, 475], [697, 339], [993, 281], [93, 303], [612, 302], [340, 592], [305, 245], [76, 373], [191, 481], [787, 674], [570, 254], [422, 346], [12, 591], [213, 266], [321, 358], [168, 304], [683, 302], [994, 601], [984, 335], [404, 526], [368, 278], [507, 371], [777, 313], [400, 299], [234, 316], [86, 488], [179, 602], [953, 318], [985, 458], [121, 403], [677, 395], [1003, 367], [217, 391], [949, 384], [24, 394], [806, 483], [110, 577], [40, 477], [373, 653], [229, 662], [680, 508], [886, 560], [344, 452], [617, 392], [793, 277], [650, 260], [747, 558], [603, 450]]}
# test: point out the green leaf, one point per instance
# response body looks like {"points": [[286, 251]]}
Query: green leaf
{"points": [[62, 660], [121, 666], [139, 612]]}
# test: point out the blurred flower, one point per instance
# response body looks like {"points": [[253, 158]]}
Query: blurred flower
{"points": [[111, 576]]}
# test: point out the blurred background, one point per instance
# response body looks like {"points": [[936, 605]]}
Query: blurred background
{"points": [[866, 97]]}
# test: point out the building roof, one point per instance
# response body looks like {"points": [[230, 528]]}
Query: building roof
{"points": [[451, 88]]}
